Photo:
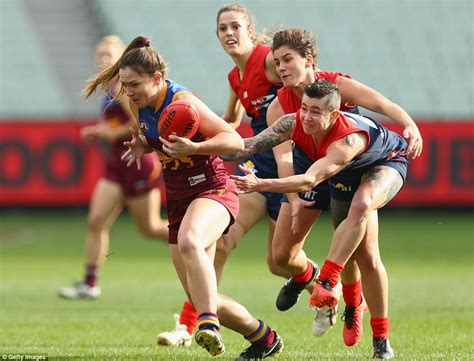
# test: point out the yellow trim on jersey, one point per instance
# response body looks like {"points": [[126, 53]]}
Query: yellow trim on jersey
{"points": [[179, 93], [134, 110], [162, 96]]}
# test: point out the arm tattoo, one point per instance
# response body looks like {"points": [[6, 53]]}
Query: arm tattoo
{"points": [[374, 173], [267, 139], [285, 124], [349, 140]]}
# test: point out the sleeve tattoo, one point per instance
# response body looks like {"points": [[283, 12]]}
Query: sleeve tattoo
{"points": [[278, 133]]}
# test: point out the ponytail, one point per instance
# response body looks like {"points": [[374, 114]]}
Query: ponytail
{"points": [[138, 55]]}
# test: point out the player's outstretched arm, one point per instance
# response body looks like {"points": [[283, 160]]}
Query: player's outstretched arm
{"points": [[276, 134], [339, 155], [355, 92]]}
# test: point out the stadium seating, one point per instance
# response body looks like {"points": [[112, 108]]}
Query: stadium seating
{"points": [[418, 53], [28, 85]]}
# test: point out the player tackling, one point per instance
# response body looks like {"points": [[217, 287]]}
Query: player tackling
{"points": [[366, 165]]}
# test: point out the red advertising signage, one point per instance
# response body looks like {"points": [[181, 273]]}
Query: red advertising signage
{"points": [[46, 163], [444, 174]]}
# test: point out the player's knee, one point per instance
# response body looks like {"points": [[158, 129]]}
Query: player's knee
{"points": [[281, 259], [187, 246], [96, 223], [360, 208], [272, 266]]}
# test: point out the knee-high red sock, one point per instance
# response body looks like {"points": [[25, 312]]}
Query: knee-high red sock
{"points": [[331, 271], [352, 293], [305, 276], [380, 326], [188, 316]]}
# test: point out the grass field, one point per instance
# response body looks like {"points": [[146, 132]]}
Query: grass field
{"points": [[429, 257]]}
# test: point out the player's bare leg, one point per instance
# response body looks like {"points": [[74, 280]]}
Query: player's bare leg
{"points": [[232, 314], [145, 211], [374, 277], [245, 221], [377, 188], [252, 209], [351, 284], [287, 251], [106, 204], [205, 220]]}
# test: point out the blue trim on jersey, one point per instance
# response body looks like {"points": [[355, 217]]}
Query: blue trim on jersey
{"points": [[107, 101], [265, 163], [382, 143], [385, 148]]}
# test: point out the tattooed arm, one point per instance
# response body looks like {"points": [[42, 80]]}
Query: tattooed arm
{"points": [[338, 156], [278, 133]]}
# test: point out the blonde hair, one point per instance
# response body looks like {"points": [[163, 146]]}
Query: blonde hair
{"points": [[139, 56], [112, 40], [263, 37]]}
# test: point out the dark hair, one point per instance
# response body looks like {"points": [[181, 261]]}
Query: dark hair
{"points": [[322, 88], [139, 56], [300, 40]]}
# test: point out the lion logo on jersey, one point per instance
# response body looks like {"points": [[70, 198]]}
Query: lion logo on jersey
{"points": [[174, 163]]}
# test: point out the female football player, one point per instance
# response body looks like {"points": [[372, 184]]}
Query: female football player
{"points": [[253, 84], [295, 53], [202, 201], [121, 186]]}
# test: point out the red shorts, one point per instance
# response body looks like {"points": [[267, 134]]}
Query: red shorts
{"points": [[177, 208], [134, 182]]}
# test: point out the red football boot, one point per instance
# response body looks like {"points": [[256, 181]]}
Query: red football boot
{"points": [[323, 295], [352, 317]]}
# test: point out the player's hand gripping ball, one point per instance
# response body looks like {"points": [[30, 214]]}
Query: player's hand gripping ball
{"points": [[180, 118]]}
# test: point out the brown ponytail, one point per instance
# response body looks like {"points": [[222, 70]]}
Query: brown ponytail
{"points": [[139, 56]]}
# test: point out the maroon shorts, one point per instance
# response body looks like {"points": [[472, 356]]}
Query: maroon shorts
{"points": [[134, 182], [227, 196]]}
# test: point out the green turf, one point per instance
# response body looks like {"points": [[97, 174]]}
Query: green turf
{"points": [[428, 257]]}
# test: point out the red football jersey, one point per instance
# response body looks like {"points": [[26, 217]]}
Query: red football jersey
{"points": [[254, 90], [289, 101], [340, 129]]}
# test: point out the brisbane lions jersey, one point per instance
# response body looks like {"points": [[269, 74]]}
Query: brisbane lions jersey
{"points": [[114, 116], [188, 175]]}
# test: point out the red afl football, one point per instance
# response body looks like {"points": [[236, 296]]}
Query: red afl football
{"points": [[179, 117]]}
